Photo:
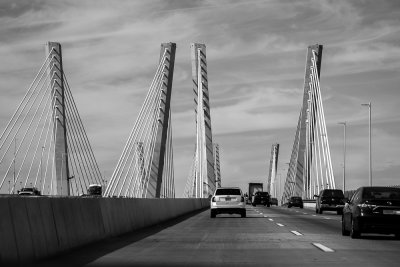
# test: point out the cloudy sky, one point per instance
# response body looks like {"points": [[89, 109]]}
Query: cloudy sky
{"points": [[256, 53]]}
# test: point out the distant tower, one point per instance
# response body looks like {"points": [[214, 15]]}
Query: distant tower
{"points": [[273, 166], [60, 185], [204, 170]]}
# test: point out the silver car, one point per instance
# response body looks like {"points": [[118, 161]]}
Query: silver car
{"points": [[228, 200]]}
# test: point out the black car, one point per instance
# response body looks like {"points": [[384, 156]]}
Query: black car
{"points": [[274, 201], [329, 199], [372, 210], [295, 202], [261, 198]]}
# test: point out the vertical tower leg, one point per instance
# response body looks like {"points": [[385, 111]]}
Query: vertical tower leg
{"points": [[157, 166], [205, 174], [55, 71]]}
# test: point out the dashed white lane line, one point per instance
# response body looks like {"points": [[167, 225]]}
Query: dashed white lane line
{"points": [[296, 233], [305, 213], [314, 215], [327, 218], [322, 247], [271, 220], [279, 224]]}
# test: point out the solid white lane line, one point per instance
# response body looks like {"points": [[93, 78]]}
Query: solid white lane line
{"points": [[322, 247], [279, 224], [296, 233]]}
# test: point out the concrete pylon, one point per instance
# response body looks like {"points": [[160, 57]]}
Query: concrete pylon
{"points": [[157, 166], [298, 173], [205, 175], [55, 71], [273, 167]]}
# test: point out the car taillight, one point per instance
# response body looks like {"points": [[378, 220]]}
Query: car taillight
{"points": [[242, 199], [364, 205], [366, 208], [213, 199]]}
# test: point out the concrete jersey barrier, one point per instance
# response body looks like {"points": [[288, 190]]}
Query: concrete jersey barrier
{"points": [[33, 228]]}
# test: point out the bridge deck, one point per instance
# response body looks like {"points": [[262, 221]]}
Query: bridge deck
{"points": [[273, 236]]}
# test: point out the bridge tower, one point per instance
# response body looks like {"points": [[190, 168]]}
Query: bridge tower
{"points": [[273, 166], [310, 167], [204, 173], [60, 184], [145, 168], [157, 166]]}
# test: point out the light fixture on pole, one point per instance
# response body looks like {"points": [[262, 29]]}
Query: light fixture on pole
{"points": [[370, 156], [344, 155]]}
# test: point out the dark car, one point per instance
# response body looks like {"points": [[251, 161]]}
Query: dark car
{"points": [[329, 199], [29, 191], [372, 210], [274, 201], [295, 202], [262, 198]]}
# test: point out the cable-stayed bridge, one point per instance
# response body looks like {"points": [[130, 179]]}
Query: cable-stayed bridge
{"points": [[44, 145]]}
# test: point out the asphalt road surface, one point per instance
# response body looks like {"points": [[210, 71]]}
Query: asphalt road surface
{"points": [[276, 236]]}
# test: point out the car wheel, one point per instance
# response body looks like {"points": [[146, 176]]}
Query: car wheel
{"points": [[344, 231], [316, 211], [243, 214], [212, 214], [289, 206], [397, 236], [253, 204], [268, 205], [339, 212], [301, 206], [354, 233], [320, 211]]}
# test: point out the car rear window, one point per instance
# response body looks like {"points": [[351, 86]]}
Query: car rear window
{"points": [[27, 190], [227, 191], [381, 193], [333, 193]]}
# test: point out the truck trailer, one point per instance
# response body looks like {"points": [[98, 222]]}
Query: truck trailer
{"points": [[253, 188]]}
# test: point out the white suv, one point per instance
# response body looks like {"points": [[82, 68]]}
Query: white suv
{"points": [[228, 200]]}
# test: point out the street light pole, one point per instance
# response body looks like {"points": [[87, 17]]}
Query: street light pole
{"points": [[344, 156], [370, 156]]}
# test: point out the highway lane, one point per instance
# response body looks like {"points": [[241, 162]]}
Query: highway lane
{"points": [[275, 236]]}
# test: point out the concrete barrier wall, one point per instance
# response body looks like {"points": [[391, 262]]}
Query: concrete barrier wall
{"points": [[33, 228]]}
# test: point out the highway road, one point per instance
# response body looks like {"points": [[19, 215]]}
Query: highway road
{"points": [[275, 236]]}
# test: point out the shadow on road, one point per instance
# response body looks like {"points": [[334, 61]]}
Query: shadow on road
{"points": [[88, 253]]}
